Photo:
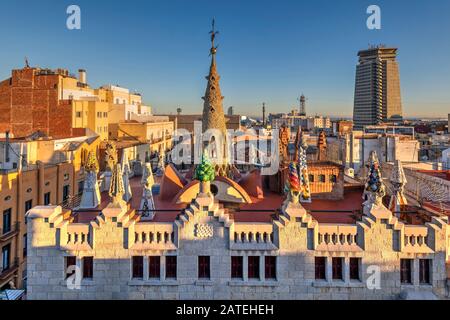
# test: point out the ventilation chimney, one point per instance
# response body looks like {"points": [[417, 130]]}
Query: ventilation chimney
{"points": [[82, 76]]}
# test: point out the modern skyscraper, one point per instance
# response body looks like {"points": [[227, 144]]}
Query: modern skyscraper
{"points": [[377, 87]]}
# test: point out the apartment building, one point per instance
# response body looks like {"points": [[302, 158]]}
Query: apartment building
{"points": [[34, 171]]}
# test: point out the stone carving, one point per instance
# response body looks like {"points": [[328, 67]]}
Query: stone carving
{"points": [[398, 182], [203, 231], [116, 189], [91, 191], [161, 163], [126, 177], [283, 143]]}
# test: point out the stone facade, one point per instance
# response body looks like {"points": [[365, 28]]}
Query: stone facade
{"points": [[204, 228]]}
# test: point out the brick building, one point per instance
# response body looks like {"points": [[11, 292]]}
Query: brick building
{"points": [[30, 101]]}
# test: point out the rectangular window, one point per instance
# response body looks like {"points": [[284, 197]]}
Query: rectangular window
{"points": [[253, 267], [311, 178], [6, 256], [320, 268], [47, 199], [354, 268], [88, 267], [405, 270], [321, 178], [154, 264], [204, 267], [7, 221], [270, 267], [66, 194], [337, 268], [24, 245], [424, 271], [80, 187], [71, 263], [28, 205], [171, 267], [78, 114], [138, 267], [333, 178], [237, 267]]}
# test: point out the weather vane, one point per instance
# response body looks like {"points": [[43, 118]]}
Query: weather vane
{"points": [[213, 34]]}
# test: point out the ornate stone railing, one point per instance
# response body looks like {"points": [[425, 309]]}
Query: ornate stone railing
{"points": [[337, 237], [255, 236], [76, 236], [415, 239], [152, 236]]}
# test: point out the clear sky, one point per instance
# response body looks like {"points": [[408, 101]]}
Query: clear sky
{"points": [[269, 51]]}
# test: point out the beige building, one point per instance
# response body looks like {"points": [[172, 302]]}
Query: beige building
{"points": [[352, 150], [49, 172]]}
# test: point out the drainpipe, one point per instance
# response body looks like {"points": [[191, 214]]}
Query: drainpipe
{"points": [[41, 183], [7, 147]]}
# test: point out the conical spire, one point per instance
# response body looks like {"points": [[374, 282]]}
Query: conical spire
{"points": [[213, 115]]}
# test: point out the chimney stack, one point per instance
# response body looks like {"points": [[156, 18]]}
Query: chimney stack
{"points": [[82, 76]]}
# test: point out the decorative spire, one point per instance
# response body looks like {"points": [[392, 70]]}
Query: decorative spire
{"points": [[205, 171], [126, 177], [322, 146], [91, 164], [90, 198], [213, 115], [374, 188], [398, 182], [292, 186], [147, 203], [111, 155], [305, 195], [116, 189], [161, 163]]}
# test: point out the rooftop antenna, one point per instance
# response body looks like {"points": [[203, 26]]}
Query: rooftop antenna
{"points": [[27, 64]]}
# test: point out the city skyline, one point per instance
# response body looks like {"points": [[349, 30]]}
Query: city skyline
{"points": [[273, 57]]}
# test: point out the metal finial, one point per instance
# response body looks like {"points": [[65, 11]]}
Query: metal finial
{"points": [[213, 34]]}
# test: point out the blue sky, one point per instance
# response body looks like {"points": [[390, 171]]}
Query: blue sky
{"points": [[269, 51]]}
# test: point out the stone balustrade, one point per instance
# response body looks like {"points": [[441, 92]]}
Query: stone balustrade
{"points": [[337, 237], [76, 236], [415, 239], [254, 236], [153, 236]]}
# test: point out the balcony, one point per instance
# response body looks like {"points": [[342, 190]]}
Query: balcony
{"points": [[8, 272], [5, 235]]}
